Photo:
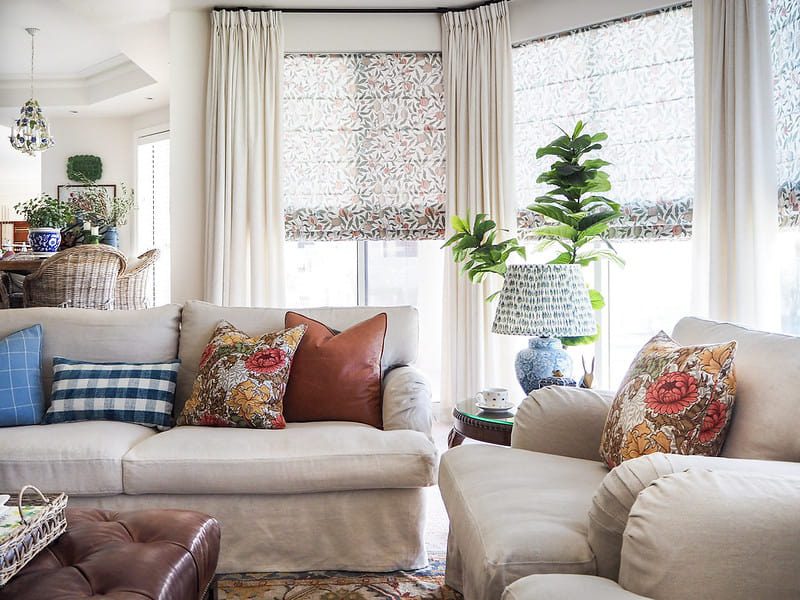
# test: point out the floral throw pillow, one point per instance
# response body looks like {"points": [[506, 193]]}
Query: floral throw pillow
{"points": [[673, 399], [242, 380]]}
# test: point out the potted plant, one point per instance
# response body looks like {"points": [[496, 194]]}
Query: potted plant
{"points": [[46, 216], [97, 205]]}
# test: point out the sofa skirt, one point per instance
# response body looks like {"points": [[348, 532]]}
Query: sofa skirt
{"points": [[363, 530]]}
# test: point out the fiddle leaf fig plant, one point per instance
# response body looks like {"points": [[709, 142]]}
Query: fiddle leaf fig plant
{"points": [[577, 215], [475, 245]]}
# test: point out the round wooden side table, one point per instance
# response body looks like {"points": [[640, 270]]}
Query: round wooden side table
{"points": [[469, 421]]}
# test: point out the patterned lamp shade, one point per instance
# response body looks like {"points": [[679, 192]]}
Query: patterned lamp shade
{"points": [[30, 132], [544, 301]]}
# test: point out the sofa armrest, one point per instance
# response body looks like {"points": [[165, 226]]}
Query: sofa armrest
{"points": [[567, 587], [562, 420], [714, 534], [612, 502], [407, 400]]}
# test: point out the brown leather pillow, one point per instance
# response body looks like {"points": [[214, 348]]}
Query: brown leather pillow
{"points": [[336, 376]]}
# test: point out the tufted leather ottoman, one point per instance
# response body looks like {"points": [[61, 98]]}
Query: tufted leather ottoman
{"points": [[136, 555]]}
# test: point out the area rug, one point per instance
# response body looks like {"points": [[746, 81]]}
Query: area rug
{"points": [[423, 584]]}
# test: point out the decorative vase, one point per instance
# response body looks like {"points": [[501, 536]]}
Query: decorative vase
{"points": [[111, 237], [539, 360], [44, 239]]}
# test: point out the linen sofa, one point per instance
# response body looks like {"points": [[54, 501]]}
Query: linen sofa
{"points": [[697, 535], [549, 505], [320, 495]]}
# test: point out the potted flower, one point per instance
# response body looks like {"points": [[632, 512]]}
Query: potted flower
{"points": [[46, 216], [97, 206]]}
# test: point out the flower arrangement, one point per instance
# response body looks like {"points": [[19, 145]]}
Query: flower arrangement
{"points": [[95, 204], [45, 211]]}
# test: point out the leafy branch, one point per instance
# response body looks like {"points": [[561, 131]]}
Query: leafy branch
{"points": [[476, 246]]}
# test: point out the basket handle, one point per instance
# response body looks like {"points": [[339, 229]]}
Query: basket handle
{"points": [[22, 493]]}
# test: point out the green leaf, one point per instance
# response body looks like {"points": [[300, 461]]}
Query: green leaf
{"points": [[554, 151], [599, 137], [563, 231], [578, 128], [554, 212], [458, 224], [597, 300], [564, 258], [597, 217]]}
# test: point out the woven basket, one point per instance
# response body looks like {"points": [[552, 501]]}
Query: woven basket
{"points": [[26, 541]]}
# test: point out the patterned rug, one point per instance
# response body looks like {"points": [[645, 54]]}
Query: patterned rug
{"points": [[423, 584]]}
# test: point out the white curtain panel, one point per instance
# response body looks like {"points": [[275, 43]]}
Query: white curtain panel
{"points": [[476, 53], [735, 228], [244, 214]]}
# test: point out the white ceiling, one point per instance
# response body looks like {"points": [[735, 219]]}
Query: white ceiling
{"points": [[111, 57]]}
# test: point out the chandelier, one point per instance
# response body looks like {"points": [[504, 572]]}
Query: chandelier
{"points": [[30, 132]]}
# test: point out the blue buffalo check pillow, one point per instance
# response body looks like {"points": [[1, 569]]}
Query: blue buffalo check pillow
{"points": [[21, 398], [141, 393]]}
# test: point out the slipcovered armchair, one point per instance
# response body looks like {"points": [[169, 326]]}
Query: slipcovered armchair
{"points": [[548, 505], [734, 538]]}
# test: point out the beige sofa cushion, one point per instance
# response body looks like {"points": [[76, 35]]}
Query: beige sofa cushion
{"points": [[200, 319], [514, 513], [81, 459], [304, 457], [567, 587], [149, 335], [767, 408]]}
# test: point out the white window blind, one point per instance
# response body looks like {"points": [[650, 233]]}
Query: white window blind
{"points": [[632, 78], [363, 146], [152, 201]]}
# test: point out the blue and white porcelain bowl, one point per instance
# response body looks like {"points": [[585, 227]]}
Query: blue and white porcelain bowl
{"points": [[44, 239]]}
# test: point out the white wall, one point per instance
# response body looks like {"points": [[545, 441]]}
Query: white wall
{"points": [[109, 138], [20, 176], [536, 18]]}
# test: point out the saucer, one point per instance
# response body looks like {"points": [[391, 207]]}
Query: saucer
{"points": [[497, 409]]}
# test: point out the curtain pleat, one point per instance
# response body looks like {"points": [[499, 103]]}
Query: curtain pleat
{"points": [[476, 53], [735, 225], [244, 214]]}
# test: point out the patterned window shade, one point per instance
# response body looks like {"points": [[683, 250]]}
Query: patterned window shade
{"points": [[784, 18], [634, 79], [364, 146]]}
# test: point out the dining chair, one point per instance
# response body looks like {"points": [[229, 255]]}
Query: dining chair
{"points": [[132, 285], [81, 277], [5, 297]]}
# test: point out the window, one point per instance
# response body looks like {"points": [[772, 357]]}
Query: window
{"points": [[363, 181], [634, 79], [784, 16], [152, 216]]}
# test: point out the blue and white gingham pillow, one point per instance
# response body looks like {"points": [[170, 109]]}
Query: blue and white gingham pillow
{"points": [[141, 393], [21, 398]]}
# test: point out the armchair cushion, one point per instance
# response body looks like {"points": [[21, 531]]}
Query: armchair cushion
{"points": [[613, 499], [714, 534], [562, 420], [567, 587], [514, 513], [675, 399], [336, 375]]}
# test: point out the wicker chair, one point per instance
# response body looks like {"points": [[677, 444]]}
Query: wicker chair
{"points": [[80, 277], [131, 293], [5, 298]]}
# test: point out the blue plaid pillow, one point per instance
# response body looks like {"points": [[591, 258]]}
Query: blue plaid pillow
{"points": [[21, 398], [141, 393]]}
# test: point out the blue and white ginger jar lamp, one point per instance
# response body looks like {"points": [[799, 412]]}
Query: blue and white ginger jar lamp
{"points": [[546, 302]]}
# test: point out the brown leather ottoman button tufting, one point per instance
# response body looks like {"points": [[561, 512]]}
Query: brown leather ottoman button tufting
{"points": [[145, 554]]}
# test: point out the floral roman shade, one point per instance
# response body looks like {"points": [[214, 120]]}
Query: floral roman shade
{"points": [[784, 21], [364, 146], [634, 79]]}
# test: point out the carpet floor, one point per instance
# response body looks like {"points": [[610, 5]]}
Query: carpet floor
{"points": [[423, 584]]}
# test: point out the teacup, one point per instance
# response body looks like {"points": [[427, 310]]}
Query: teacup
{"points": [[493, 398]]}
